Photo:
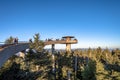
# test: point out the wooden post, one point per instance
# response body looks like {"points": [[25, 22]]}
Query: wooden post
{"points": [[75, 67], [53, 48], [68, 75], [54, 66]]}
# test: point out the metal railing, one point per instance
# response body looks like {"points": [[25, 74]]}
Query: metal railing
{"points": [[3, 44]]}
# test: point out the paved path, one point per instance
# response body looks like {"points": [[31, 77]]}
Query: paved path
{"points": [[8, 51]]}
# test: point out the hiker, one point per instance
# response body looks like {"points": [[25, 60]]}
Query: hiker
{"points": [[30, 40], [15, 41]]}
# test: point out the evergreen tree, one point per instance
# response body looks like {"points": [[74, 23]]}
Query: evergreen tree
{"points": [[37, 43], [9, 40], [101, 73], [89, 71]]}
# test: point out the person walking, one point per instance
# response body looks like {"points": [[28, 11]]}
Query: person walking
{"points": [[16, 40], [30, 40]]}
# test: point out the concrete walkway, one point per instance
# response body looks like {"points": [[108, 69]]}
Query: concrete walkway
{"points": [[11, 50]]}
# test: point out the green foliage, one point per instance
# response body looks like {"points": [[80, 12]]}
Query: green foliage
{"points": [[37, 44], [89, 71], [101, 73], [9, 40], [93, 64]]}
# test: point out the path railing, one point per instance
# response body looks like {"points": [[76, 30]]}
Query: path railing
{"points": [[3, 44]]}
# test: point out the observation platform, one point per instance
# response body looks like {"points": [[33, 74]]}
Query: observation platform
{"points": [[60, 42], [7, 50]]}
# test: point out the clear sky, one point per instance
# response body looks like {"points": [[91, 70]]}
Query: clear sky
{"points": [[93, 22]]}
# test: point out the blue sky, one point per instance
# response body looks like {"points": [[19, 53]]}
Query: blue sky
{"points": [[93, 22]]}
